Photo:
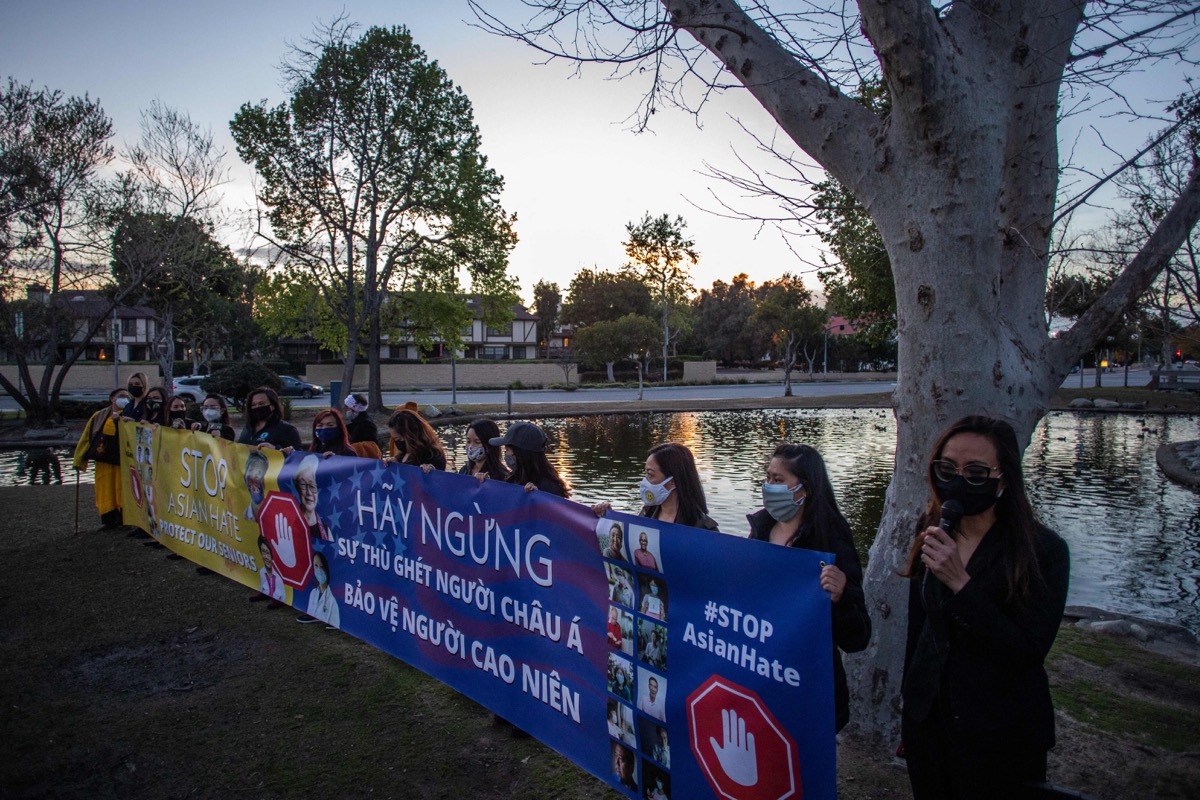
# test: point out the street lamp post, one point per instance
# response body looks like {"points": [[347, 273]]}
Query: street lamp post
{"points": [[825, 358], [116, 337]]}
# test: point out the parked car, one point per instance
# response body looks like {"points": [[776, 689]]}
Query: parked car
{"points": [[291, 386], [189, 386]]}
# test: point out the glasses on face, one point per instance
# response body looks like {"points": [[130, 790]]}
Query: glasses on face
{"points": [[975, 473], [306, 487]]}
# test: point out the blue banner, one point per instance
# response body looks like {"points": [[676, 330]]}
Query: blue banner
{"points": [[670, 662]]}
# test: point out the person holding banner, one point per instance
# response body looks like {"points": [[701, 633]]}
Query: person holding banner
{"points": [[986, 597], [265, 426], [526, 457], [136, 387], [329, 435], [177, 413], [484, 459], [670, 490], [99, 444], [154, 406], [216, 418], [800, 510], [414, 442]]}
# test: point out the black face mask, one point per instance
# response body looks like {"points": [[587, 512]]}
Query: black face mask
{"points": [[178, 415], [136, 391], [974, 499], [153, 406], [261, 414]]}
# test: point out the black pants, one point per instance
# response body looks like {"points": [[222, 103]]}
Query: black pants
{"points": [[944, 765]]}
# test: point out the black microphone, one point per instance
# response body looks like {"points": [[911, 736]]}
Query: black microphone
{"points": [[952, 514]]}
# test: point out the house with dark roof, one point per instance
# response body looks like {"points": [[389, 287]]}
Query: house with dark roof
{"points": [[130, 330], [515, 340]]}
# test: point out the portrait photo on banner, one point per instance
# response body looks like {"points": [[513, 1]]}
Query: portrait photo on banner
{"points": [[620, 722], [645, 543], [610, 536], [653, 591], [620, 585]]}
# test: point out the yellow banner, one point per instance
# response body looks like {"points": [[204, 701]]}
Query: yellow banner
{"points": [[199, 495]]}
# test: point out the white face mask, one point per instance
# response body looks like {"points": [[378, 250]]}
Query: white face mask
{"points": [[212, 414], [653, 494], [122, 402]]}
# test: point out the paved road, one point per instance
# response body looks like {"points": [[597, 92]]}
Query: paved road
{"points": [[720, 391]]}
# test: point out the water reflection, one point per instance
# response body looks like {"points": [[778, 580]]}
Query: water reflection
{"points": [[38, 466], [1134, 536]]}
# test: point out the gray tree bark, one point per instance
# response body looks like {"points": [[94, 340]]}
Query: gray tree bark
{"points": [[961, 181]]}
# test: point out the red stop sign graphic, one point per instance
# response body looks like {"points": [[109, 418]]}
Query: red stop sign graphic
{"points": [[744, 751], [286, 532], [135, 486]]}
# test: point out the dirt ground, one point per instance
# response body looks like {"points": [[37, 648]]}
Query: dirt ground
{"points": [[127, 674]]}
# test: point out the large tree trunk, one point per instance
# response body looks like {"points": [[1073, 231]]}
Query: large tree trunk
{"points": [[960, 180]]}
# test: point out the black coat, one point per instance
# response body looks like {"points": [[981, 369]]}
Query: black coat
{"points": [[851, 622], [978, 657], [278, 434], [362, 429], [706, 522]]}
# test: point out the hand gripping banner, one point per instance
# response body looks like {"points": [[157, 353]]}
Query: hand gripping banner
{"points": [[670, 662]]}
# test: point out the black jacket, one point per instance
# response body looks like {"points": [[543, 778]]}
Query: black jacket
{"points": [[851, 622], [706, 522], [362, 429], [977, 656], [278, 434]]}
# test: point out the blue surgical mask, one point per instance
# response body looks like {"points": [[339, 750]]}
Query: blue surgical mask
{"points": [[321, 575], [510, 460], [475, 452], [653, 494], [327, 435], [779, 502]]}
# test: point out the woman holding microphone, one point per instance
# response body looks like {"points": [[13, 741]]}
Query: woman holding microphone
{"points": [[985, 601]]}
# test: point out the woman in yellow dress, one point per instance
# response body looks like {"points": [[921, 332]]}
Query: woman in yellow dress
{"points": [[99, 443]]}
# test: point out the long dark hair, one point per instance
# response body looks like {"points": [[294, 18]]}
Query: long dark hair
{"points": [[820, 503], [677, 462], [224, 408], [163, 408], [339, 446], [272, 398], [1015, 521], [421, 442], [533, 467], [493, 456]]}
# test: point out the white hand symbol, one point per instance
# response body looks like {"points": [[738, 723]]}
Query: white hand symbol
{"points": [[285, 550], [737, 755]]}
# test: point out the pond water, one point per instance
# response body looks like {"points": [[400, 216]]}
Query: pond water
{"points": [[1134, 535]]}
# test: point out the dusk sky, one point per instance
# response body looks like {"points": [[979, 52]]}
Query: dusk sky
{"points": [[575, 174]]}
